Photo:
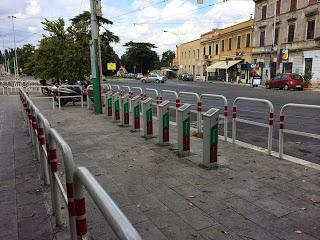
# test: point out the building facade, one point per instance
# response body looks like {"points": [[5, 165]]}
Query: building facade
{"points": [[296, 31], [221, 54], [189, 58]]}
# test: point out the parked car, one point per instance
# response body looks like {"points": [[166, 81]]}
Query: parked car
{"points": [[187, 77], [139, 76], [154, 77], [286, 81], [198, 77]]}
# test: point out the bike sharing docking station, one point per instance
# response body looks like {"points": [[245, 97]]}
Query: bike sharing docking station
{"points": [[135, 113], [109, 104], [116, 107], [147, 118], [163, 118], [210, 138], [124, 110], [183, 126]]}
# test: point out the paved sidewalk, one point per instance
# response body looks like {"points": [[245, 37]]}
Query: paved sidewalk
{"points": [[250, 196], [24, 203]]}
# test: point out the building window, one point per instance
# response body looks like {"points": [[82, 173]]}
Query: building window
{"points": [[262, 36], [276, 36], [310, 29], [198, 53], [264, 12], [278, 7], [230, 44], [239, 42], [308, 65], [194, 53], [210, 50], [217, 49], [291, 33], [248, 40], [293, 5], [204, 50], [189, 54], [222, 45]]}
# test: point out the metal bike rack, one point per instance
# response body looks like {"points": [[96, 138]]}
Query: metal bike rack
{"points": [[199, 107], [89, 87], [163, 123], [115, 86], [135, 113], [147, 118], [269, 126], [77, 178], [282, 129], [116, 107], [210, 137], [124, 110], [75, 96], [225, 111], [183, 127], [38, 97]]}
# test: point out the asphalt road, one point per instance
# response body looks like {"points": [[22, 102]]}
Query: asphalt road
{"points": [[296, 119]]}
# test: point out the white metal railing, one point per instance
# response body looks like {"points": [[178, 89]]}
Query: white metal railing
{"points": [[225, 111], [46, 141], [59, 96], [283, 130], [269, 126]]}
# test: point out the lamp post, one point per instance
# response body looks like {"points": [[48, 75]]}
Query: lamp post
{"points": [[15, 49]]}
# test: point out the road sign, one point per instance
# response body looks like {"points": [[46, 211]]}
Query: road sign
{"points": [[112, 66]]}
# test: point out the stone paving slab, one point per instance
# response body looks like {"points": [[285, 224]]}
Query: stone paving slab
{"points": [[250, 196], [24, 201]]}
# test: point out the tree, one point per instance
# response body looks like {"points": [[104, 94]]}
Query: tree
{"points": [[167, 58], [140, 55], [64, 53]]}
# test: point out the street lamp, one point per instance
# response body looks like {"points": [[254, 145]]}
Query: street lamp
{"points": [[15, 49]]}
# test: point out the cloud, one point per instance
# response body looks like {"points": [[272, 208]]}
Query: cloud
{"points": [[137, 20], [33, 8]]}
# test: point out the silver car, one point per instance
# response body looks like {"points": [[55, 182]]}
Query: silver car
{"points": [[154, 77]]}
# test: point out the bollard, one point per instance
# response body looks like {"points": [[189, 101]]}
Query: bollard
{"points": [[163, 122], [135, 113], [124, 110], [210, 137], [147, 118], [183, 125], [116, 107], [109, 104]]}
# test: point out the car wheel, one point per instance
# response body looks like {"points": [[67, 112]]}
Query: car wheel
{"points": [[157, 81], [268, 86], [286, 87]]}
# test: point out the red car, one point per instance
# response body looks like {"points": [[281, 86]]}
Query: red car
{"points": [[286, 81]]}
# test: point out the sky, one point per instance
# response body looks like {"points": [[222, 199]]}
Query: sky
{"points": [[133, 20]]}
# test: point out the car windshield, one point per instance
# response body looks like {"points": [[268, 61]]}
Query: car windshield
{"points": [[296, 77]]}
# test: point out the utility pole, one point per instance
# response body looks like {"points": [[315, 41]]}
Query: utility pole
{"points": [[15, 50], [95, 7], [4, 57]]}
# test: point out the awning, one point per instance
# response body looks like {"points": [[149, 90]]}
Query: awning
{"points": [[222, 65]]}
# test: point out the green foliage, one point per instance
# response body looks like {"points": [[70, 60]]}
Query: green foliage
{"points": [[141, 56], [167, 57], [64, 52], [307, 77]]}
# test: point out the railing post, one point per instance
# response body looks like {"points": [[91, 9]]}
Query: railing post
{"points": [[56, 206], [80, 209], [281, 127], [234, 123], [270, 132], [199, 116], [225, 120]]}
